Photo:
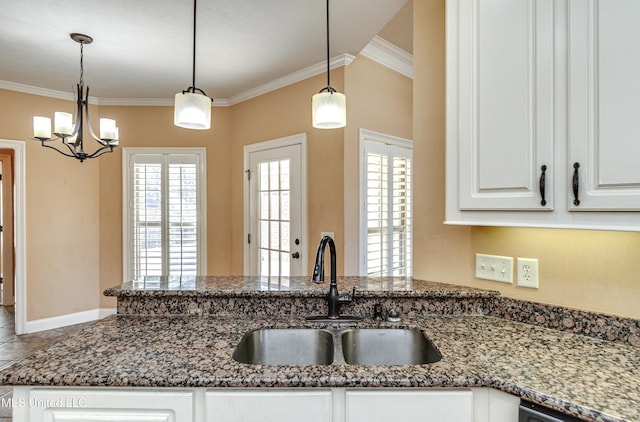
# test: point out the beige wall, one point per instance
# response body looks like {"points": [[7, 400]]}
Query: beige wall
{"points": [[281, 113], [593, 270], [74, 211], [153, 127], [62, 198], [378, 99]]}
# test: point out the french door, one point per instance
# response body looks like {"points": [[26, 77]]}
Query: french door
{"points": [[275, 207]]}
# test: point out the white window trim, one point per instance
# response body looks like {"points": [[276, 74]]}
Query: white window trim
{"points": [[126, 209], [300, 139], [364, 136]]}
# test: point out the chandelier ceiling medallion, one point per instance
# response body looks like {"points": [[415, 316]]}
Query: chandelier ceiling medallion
{"points": [[70, 134], [192, 107]]}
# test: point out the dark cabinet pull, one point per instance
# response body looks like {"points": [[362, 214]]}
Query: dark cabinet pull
{"points": [[576, 184], [543, 181]]}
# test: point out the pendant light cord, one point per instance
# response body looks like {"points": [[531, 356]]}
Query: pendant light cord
{"points": [[193, 73], [328, 61]]}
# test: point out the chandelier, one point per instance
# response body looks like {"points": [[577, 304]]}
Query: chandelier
{"points": [[69, 133], [192, 110], [329, 107]]}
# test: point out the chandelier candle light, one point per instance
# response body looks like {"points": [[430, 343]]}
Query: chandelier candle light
{"points": [[66, 131], [329, 107], [192, 110]]}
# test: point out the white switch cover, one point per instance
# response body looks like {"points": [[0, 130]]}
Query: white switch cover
{"points": [[527, 272], [494, 267]]}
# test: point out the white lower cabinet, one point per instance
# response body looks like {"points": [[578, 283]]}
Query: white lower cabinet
{"points": [[412, 405], [491, 405], [34, 404], [266, 406], [51, 404]]}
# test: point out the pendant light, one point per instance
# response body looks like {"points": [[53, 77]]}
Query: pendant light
{"points": [[192, 107], [329, 107]]}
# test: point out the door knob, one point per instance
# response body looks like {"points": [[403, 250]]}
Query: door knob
{"points": [[295, 255]]}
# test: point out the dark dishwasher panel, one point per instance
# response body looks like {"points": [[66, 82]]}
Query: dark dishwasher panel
{"points": [[530, 412]]}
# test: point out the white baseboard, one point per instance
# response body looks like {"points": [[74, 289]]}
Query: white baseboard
{"points": [[66, 320]]}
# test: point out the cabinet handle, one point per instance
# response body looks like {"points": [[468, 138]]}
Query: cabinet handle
{"points": [[543, 181], [576, 184]]}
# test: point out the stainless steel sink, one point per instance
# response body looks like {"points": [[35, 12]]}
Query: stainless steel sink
{"points": [[387, 347], [366, 346], [273, 346]]}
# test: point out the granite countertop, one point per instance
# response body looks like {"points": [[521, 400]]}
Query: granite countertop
{"points": [[594, 379], [277, 287]]}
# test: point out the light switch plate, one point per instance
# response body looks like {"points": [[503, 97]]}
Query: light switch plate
{"points": [[494, 267]]}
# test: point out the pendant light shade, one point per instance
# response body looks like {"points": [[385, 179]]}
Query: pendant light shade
{"points": [[329, 107], [192, 111], [192, 107], [329, 110]]}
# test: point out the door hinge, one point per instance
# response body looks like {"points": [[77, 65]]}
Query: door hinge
{"points": [[248, 174], [1, 228], [249, 238]]}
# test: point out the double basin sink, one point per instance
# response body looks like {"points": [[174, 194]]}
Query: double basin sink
{"points": [[366, 346]]}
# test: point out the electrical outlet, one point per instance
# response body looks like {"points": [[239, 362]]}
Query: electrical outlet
{"points": [[494, 267], [527, 272]]}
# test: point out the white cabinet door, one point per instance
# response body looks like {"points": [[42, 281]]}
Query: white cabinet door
{"points": [[500, 102], [409, 405], [102, 405], [268, 406], [604, 103]]}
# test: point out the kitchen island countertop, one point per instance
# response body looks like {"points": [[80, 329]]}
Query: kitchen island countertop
{"points": [[594, 379]]}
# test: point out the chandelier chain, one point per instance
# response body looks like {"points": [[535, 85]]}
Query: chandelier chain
{"points": [[82, 64]]}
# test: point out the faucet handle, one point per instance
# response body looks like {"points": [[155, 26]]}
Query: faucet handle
{"points": [[377, 312], [347, 299]]}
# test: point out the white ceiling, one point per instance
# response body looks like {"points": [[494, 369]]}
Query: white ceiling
{"points": [[143, 48]]}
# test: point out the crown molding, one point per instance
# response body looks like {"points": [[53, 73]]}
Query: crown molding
{"points": [[300, 75], [291, 78], [44, 92], [389, 55]]}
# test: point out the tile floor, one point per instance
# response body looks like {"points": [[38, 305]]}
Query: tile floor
{"points": [[14, 347]]}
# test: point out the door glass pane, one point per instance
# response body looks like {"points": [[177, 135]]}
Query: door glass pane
{"points": [[274, 223]]}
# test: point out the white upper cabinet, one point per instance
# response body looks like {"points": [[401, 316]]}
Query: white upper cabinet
{"points": [[505, 104], [604, 103], [543, 84]]}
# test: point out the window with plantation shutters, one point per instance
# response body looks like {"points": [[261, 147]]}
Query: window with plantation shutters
{"points": [[386, 214], [164, 212]]}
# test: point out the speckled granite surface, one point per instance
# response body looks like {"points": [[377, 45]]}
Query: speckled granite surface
{"points": [[244, 286], [586, 377], [593, 324], [262, 296]]}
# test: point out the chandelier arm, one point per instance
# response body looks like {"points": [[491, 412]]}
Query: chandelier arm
{"points": [[105, 149], [73, 155], [85, 104]]}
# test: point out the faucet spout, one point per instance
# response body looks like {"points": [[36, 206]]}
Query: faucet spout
{"points": [[333, 298], [318, 268]]}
